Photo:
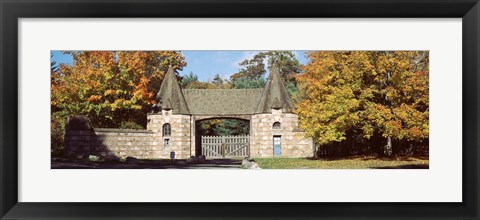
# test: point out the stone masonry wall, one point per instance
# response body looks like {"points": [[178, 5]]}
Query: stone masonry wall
{"points": [[292, 141], [110, 143], [141, 144], [151, 144], [180, 138]]}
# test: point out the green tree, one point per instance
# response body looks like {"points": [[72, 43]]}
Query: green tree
{"points": [[255, 67], [224, 127], [217, 80], [232, 127], [188, 79], [245, 83], [252, 72]]}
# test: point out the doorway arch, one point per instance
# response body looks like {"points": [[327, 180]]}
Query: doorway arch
{"points": [[199, 131]]}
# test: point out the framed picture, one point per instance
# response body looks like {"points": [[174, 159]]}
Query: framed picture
{"points": [[227, 109]]}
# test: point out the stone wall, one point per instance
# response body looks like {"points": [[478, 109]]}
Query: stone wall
{"points": [[110, 143], [292, 140], [180, 139], [82, 141]]}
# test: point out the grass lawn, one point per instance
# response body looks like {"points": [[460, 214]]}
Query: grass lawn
{"points": [[349, 163]]}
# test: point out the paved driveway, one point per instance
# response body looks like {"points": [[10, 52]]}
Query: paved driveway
{"points": [[60, 163], [217, 164]]}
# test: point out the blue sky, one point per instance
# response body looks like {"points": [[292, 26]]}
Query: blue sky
{"points": [[205, 64]]}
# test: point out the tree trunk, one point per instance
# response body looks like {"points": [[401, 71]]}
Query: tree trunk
{"points": [[388, 150]]}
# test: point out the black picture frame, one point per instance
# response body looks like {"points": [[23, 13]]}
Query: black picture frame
{"points": [[12, 10]]}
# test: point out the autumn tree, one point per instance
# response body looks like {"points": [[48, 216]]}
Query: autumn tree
{"points": [[57, 123], [384, 93], [111, 87]]}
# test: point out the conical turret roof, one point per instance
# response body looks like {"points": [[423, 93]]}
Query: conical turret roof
{"points": [[274, 95], [170, 95]]}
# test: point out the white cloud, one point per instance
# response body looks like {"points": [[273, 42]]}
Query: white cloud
{"points": [[246, 55], [221, 56]]}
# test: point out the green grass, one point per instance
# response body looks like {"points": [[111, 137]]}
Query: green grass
{"points": [[350, 163]]}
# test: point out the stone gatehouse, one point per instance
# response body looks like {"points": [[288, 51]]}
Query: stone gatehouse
{"points": [[172, 124]]}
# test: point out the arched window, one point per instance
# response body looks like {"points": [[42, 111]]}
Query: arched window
{"points": [[167, 130], [277, 125]]}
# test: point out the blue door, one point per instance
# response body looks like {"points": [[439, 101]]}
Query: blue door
{"points": [[277, 145]]}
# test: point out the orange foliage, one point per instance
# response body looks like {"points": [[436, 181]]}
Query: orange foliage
{"points": [[372, 91], [111, 86]]}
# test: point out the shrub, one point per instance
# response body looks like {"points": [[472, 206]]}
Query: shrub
{"points": [[130, 125], [57, 127]]}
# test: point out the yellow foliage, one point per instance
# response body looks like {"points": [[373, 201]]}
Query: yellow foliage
{"points": [[111, 86], [371, 91]]}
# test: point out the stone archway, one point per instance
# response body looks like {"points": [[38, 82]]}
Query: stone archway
{"points": [[183, 108], [196, 135]]}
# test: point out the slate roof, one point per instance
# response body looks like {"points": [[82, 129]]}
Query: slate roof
{"points": [[171, 95], [222, 101], [275, 95]]}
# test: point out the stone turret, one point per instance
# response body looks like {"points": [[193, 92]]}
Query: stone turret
{"points": [[170, 95], [274, 95]]}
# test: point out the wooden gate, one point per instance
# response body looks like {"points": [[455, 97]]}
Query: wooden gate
{"points": [[225, 146]]}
